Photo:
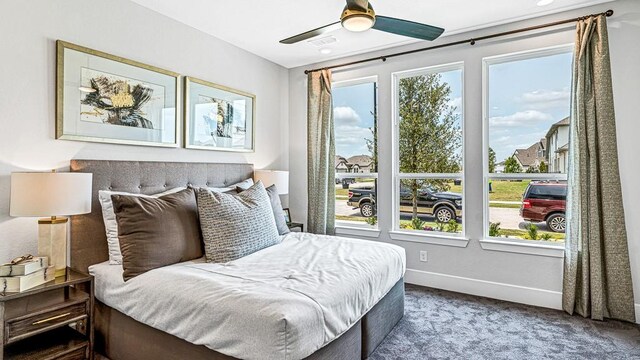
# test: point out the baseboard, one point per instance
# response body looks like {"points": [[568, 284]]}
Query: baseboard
{"points": [[490, 289]]}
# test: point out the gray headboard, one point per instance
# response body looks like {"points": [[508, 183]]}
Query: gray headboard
{"points": [[88, 237]]}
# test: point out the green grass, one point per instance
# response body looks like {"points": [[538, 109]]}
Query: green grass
{"points": [[350, 218], [556, 237], [505, 206], [505, 190]]}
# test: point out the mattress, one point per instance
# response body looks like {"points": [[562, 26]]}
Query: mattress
{"points": [[283, 302]]}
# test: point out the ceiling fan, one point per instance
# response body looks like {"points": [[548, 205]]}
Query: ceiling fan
{"points": [[358, 15]]}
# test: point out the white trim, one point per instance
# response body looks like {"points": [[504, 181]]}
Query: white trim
{"points": [[395, 153], [540, 248], [455, 241], [637, 306], [442, 176], [356, 175], [357, 81], [486, 176], [342, 230], [528, 54], [490, 289], [528, 176]]}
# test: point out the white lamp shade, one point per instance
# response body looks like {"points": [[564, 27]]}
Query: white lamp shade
{"points": [[273, 177], [50, 194]]}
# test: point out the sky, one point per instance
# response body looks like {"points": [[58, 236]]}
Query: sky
{"points": [[525, 98], [353, 106], [352, 113]]}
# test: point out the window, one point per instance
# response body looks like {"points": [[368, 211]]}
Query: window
{"points": [[428, 161], [356, 163], [526, 125]]}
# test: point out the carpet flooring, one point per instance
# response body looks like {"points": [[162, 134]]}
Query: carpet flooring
{"points": [[444, 325]]}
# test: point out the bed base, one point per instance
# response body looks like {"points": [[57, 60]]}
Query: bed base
{"points": [[120, 337]]}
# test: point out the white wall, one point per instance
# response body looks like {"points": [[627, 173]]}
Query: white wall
{"points": [[28, 32], [520, 277]]}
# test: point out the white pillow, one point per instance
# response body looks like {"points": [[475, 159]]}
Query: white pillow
{"points": [[110, 223], [244, 185]]}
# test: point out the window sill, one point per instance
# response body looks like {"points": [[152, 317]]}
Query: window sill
{"points": [[357, 231], [523, 247], [454, 241]]}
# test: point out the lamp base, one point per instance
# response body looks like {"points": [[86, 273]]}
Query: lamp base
{"points": [[52, 242]]}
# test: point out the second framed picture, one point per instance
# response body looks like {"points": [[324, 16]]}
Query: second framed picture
{"points": [[217, 117]]}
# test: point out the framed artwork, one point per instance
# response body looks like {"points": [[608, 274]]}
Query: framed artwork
{"points": [[287, 215], [217, 117], [109, 99]]}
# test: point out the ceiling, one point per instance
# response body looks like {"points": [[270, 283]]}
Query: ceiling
{"points": [[258, 25]]}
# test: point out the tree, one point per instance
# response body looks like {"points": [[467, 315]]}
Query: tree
{"points": [[533, 169], [492, 161], [511, 165], [543, 167], [430, 137], [372, 144]]}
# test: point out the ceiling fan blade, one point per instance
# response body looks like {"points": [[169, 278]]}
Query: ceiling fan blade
{"points": [[361, 5], [407, 28], [311, 33]]}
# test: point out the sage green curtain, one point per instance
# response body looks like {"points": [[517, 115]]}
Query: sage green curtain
{"points": [[597, 274], [320, 154]]}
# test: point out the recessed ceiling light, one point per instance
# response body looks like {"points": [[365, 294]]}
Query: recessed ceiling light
{"points": [[544, 2], [325, 51]]}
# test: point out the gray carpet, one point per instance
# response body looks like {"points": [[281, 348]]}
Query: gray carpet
{"points": [[444, 325]]}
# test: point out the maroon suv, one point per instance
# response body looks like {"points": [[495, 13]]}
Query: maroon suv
{"points": [[545, 201]]}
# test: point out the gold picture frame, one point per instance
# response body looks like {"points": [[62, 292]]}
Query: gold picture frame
{"points": [[230, 130], [110, 99]]}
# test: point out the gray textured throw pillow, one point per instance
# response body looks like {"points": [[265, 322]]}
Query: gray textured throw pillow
{"points": [[234, 226], [276, 206]]}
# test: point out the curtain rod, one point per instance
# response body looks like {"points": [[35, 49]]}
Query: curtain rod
{"points": [[471, 41]]}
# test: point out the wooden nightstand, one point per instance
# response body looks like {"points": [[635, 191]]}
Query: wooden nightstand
{"points": [[51, 321], [293, 225]]}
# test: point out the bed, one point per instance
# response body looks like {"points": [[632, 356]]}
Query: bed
{"points": [[341, 312]]}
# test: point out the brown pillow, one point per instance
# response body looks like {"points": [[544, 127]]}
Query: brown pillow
{"points": [[156, 232]]}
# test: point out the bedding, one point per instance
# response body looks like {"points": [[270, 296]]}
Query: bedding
{"points": [[156, 232], [276, 206], [283, 302], [234, 226], [110, 223]]}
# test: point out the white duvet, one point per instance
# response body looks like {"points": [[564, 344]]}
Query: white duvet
{"points": [[283, 302]]}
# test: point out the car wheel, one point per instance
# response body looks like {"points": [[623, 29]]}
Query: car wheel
{"points": [[444, 214], [557, 223], [366, 209]]}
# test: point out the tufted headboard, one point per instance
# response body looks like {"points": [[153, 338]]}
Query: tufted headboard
{"points": [[88, 237]]}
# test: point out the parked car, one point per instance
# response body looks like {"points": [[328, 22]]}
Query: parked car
{"points": [[444, 206], [545, 201]]}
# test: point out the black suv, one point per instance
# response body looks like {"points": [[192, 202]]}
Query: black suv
{"points": [[444, 206]]}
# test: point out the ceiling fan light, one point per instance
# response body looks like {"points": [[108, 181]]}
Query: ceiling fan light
{"points": [[358, 22]]}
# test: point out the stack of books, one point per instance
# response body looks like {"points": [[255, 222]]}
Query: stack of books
{"points": [[25, 275]]}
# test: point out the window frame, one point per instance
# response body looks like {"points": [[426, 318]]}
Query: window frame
{"points": [[352, 228], [538, 247], [433, 237]]}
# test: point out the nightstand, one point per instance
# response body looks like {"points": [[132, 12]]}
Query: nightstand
{"points": [[50, 321], [293, 225]]}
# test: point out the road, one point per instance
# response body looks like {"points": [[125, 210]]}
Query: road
{"points": [[508, 218]]}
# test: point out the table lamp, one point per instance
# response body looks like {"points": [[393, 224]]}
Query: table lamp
{"points": [[278, 178], [51, 194]]}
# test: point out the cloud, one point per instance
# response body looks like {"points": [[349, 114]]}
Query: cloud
{"points": [[350, 140], [345, 115], [546, 99], [520, 118]]}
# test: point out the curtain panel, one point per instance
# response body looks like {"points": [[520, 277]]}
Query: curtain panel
{"points": [[597, 274], [320, 154]]}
